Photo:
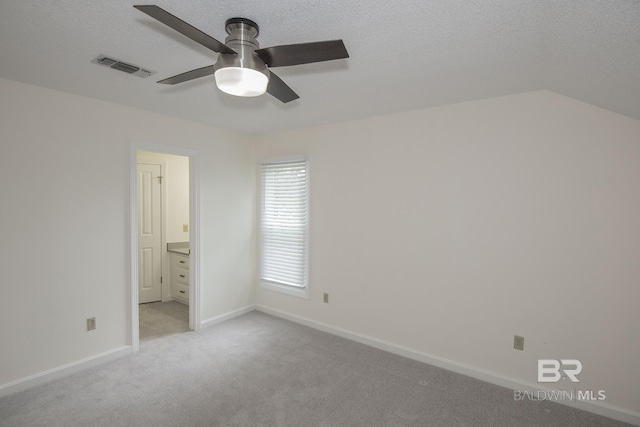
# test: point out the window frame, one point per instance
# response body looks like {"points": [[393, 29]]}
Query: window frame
{"points": [[298, 291]]}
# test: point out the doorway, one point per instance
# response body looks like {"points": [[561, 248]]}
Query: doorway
{"points": [[164, 231]]}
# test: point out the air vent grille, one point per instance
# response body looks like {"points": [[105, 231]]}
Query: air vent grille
{"points": [[106, 61], [122, 66]]}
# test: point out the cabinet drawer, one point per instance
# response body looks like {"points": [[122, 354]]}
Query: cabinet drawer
{"points": [[181, 261], [181, 275], [183, 291]]}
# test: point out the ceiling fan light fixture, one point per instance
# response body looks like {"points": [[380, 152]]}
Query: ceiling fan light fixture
{"points": [[242, 73], [242, 68], [240, 81]]}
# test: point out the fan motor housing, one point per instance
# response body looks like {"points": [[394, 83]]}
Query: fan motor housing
{"points": [[242, 38]]}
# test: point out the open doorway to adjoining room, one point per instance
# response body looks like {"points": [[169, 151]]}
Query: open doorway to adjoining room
{"points": [[164, 230]]}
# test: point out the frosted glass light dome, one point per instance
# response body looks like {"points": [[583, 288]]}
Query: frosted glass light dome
{"points": [[240, 81]]}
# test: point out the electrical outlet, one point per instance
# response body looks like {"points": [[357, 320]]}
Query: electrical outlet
{"points": [[518, 342], [325, 298], [185, 228], [91, 324]]}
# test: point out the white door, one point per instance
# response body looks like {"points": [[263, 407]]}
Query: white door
{"points": [[149, 233]]}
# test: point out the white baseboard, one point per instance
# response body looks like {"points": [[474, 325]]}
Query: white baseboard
{"points": [[230, 315], [64, 370], [598, 408]]}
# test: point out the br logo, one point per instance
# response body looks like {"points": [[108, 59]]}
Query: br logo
{"points": [[549, 370]]}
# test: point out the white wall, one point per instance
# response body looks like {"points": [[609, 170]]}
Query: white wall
{"points": [[176, 180], [446, 231], [64, 205], [449, 230]]}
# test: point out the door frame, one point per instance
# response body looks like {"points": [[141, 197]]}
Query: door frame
{"points": [[194, 234]]}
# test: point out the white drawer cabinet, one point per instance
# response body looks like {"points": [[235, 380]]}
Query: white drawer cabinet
{"points": [[180, 277]]}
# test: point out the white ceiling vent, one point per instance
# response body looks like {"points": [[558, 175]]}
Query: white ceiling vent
{"points": [[122, 66]]}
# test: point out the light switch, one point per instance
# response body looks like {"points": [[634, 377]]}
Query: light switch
{"points": [[185, 227]]}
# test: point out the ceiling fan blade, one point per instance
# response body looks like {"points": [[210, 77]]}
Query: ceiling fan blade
{"points": [[303, 53], [279, 89], [183, 28], [189, 75]]}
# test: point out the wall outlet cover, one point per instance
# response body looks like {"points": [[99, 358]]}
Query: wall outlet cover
{"points": [[518, 342]]}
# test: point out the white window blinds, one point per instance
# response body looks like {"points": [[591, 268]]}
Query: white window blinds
{"points": [[284, 223]]}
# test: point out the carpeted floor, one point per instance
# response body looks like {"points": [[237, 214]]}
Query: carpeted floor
{"points": [[258, 370], [161, 319]]}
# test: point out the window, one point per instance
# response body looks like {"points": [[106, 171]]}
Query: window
{"points": [[284, 226]]}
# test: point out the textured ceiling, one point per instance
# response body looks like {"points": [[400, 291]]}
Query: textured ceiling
{"points": [[405, 55]]}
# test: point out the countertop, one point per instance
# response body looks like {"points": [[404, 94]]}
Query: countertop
{"points": [[179, 248]]}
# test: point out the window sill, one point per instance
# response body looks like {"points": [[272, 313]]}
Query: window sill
{"points": [[291, 290]]}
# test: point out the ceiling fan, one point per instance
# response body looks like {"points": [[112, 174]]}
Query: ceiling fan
{"points": [[243, 69]]}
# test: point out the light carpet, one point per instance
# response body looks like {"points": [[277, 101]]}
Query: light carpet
{"points": [[259, 370]]}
